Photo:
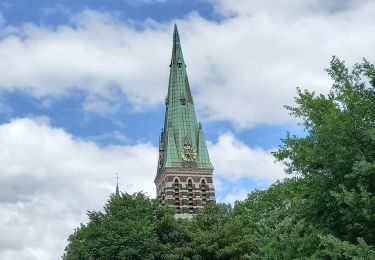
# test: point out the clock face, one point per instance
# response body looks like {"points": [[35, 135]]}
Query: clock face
{"points": [[188, 154]]}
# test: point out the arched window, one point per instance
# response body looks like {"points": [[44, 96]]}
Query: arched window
{"points": [[190, 193], [204, 192], [176, 187]]}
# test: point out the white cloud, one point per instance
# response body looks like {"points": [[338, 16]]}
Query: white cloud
{"points": [[242, 68], [248, 66], [239, 169], [49, 179], [100, 105], [292, 8], [239, 194], [98, 54], [234, 160]]}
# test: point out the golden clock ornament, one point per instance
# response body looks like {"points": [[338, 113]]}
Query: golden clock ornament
{"points": [[188, 154]]}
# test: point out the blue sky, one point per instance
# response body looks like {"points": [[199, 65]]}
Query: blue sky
{"points": [[66, 111], [82, 88]]}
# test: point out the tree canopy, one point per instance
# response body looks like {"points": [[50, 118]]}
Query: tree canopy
{"points": [[325, 210]]}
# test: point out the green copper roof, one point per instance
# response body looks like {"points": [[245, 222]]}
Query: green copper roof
{"points": [[181, 126]]}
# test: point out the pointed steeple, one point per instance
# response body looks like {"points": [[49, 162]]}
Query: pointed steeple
{"points": [[117, 189], [177, 60], [181, 127], [176, 36], [184, 164]]}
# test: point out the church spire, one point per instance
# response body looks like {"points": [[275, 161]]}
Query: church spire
{"points": [[181, 128], [184, 164]]}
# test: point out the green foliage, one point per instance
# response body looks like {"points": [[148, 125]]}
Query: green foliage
{"points": [[337, 157], [218, 234], [334, 248], [326, 211], [126, 230], [272, 215]]}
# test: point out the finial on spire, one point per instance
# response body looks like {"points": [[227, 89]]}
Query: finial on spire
{"points": [[176, 36], [117, 189]]}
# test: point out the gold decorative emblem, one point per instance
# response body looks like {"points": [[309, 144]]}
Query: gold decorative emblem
{"points": [[188, 154]]}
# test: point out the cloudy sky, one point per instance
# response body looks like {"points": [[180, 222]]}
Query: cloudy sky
{"points": [[82, 85]]}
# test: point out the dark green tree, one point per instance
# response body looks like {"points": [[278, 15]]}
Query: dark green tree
{"points": [[336, 158], [272, 216], [213, 233], [125, 230], [217, 234]]}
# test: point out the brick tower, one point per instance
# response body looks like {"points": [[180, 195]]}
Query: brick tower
{"points": [[184, 174]]}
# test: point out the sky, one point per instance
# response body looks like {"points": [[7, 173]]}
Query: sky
{"points": [[83, 83]]}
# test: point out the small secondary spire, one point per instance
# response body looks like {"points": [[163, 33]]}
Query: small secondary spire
{"points": [[117, 189]]}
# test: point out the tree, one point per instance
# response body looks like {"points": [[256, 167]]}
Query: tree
{"points": [[217, 234], [336, 159], [325, 211], [125, 230], [272, 215]]}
